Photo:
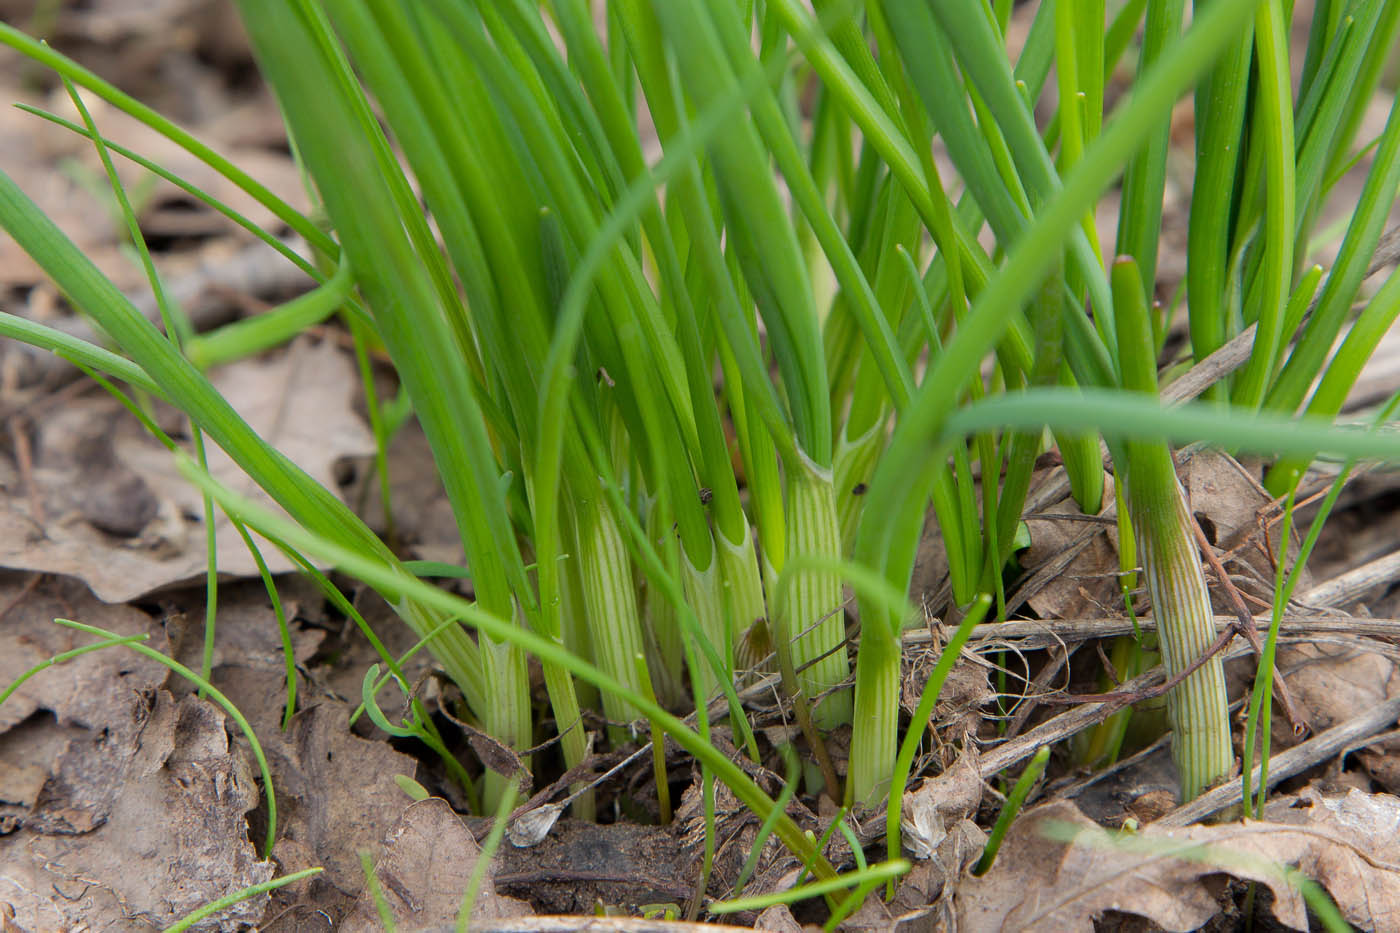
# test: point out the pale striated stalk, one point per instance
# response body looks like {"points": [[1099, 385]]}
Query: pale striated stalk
{"points": [[874, 738], [738, 561], [665, 649], [1198, 707], [610, 600], [508, 718], [855, 465], [704, 592], [727, 598], [811, 616], [573, 616], [662, 633]]}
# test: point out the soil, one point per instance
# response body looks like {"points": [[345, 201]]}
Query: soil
{"points": [[128, 799]]}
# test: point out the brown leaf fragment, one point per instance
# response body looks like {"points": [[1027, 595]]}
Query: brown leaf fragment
{"points": [[117, 514], [100, 689], [174, 836], [1223, 490], [29, 753], [1382, 764], [937, 803], [777, 919], [1334, 681], [7, 920], [336, 790], [623, 865], [596, 924], [423, 519], [20, 785], [423, 868], [1058, 870], [248, 665], [1071, 567]]}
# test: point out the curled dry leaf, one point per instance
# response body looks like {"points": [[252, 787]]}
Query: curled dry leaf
{"points": [[938, 803], [1059, 871]]}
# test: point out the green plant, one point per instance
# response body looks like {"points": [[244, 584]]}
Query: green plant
{"points": [[559, 342], [213, 907], [1010, 808]]}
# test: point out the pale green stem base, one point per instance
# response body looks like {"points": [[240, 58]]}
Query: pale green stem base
{"points": [[855, 465], [874, 728], [610, 601], [665, 650], [704, 591], [1198, 708], [743, 583], [507, 717], [812, 615]]}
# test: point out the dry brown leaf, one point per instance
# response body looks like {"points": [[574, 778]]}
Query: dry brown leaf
{"points": [[1382, 764], [116, 513], [1082, 560], [174, 835], [965, 692], [777, 919], [938, 803], [929, 579], [336, 790], [248, 664], [423, 868], [1231, 505], [35, 148], [1349, 844], [423, 518], [1333, 681], [98, 690], [623, 865]]}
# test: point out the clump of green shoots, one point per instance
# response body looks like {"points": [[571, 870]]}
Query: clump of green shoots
{"points": [[677, 403]]}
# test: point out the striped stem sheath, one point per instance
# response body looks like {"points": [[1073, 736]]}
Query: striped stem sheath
{"points": [[875, 742], [739, 563], [665, 650], [508, 718], [855, 465], [704, 591], [610, 601], [1198, 707], [811, 615]]}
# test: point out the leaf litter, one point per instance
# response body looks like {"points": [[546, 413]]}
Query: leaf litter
{"points": [[1059, 870], [425, 864], [139, 827], [103, 501]]}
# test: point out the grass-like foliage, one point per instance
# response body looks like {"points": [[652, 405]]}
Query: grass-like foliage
{"points": [[676, 401]]}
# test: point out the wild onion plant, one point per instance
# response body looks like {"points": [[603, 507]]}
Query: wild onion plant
{"points": [[672, 400]]}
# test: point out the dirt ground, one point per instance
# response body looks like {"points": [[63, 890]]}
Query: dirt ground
{"points": [[127, 800]]}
